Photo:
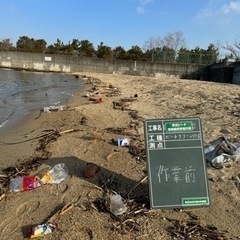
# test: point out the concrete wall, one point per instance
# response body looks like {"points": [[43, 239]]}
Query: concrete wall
{"points": [[227, 72], [71, 64], [236, 74]]}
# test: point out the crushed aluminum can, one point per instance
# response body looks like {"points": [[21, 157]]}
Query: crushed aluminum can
{"points": [[42, 230], [123, 142]]}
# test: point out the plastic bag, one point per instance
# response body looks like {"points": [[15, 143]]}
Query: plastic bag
{"points": [[56, 175]]}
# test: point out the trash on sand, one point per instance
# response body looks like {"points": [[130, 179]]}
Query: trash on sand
{"points": [[42, 230], [91, 170], [237, 154], [221, 152], [52, 108], [117, 206], [221, 160], [21, 184], [48, 227], [100, 100], [89, 94], [123, 142], [56, 175]]}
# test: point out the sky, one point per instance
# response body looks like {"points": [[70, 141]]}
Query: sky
{"points": [[123, 23]]}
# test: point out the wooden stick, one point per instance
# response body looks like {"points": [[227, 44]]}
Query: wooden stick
{"points": [[3, 176], [2, 196], [67, 131], [137, 185], [65, 209]]}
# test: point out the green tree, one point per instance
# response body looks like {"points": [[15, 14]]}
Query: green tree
{"points": [[6, 45], [86, 49], [67, 49], [56, 48], [195, 55], [39, 46], [163, 54], [210, 55], [148, 55], [75, 46], [26, 44], [104, 51], [119, 53], [183, 55], [51, 49], [135, 53], [59, 46]]}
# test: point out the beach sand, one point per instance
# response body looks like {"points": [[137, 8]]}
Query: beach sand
{"points": [[83, 132]]}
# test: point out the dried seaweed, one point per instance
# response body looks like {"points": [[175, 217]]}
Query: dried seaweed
{"points": [[116, 130], [122, 103], [192, 229], [83, 120], [134, 114], [46, 139], [137, 149]]}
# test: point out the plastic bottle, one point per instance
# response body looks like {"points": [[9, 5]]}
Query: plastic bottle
{"points": [[117, 206], [20, 184], [56, 175]]}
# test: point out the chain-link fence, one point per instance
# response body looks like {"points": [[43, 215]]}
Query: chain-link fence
{"points": [[187, 58]]}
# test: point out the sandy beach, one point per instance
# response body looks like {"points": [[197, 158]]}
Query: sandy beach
{"points": [[113, 106]]}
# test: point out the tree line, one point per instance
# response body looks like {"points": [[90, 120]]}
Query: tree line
{"points": [[169, 48]]}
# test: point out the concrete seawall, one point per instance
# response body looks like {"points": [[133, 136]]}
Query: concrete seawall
{"points": [[71, 64]]}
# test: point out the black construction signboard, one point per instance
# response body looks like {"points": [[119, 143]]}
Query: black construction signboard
{"points": [[177, 172]]}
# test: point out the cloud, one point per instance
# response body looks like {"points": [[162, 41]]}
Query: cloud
{"points": [[203, 14], [231, 7], [218, 13], [142, 5]]}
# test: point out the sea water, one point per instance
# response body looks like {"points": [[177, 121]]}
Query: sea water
{"points": [[22, 92]]}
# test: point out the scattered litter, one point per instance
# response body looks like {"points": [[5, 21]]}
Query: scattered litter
{"points": [[91, 170], [221, 152], [52, 108], [221, 160], [42, 230], [26, 183], [117, 206], [89, 94], [48, 227], [56, 175], [123, 142], [100, 100]]}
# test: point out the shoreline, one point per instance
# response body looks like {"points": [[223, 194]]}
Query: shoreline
{"points": [[32, 125], [44, 90], [126, 102]]}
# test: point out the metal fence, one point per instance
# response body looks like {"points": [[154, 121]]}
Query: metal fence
{"points": [[187, 58]]}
